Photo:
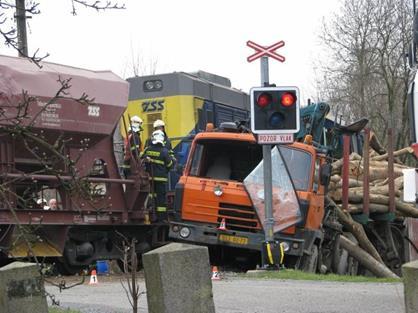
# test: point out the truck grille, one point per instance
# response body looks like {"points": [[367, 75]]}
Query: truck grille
{"points": [[238, 217]]}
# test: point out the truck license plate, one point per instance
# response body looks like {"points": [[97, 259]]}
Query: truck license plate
{"points": [[234, 239]]}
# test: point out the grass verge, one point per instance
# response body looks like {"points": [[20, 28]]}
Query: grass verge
{"points": [[61, 310], [299, 275]]}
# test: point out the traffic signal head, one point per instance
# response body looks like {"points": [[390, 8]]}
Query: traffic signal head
{"points": [[274, 110]]}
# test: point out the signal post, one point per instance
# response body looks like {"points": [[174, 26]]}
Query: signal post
{"points": [[274, 118]]}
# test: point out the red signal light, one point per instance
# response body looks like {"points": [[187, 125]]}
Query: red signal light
{"points": [[264, 100], [288, 99]]}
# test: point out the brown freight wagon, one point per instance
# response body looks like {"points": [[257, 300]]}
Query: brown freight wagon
{"points": [[56, 142]]}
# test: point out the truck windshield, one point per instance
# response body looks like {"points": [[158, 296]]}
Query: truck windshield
{"points": [[285, 205], [226, 160], [235, 160], [299, 166]]}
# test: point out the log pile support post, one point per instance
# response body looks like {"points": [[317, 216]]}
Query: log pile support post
{"points": [[345, 170], [366, 178], [391, 174]]}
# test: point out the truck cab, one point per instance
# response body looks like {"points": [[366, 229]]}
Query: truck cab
{"points": [[214, 208]]}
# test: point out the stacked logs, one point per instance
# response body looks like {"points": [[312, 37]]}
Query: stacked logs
{"points": [[378, 201], [378, 187]]}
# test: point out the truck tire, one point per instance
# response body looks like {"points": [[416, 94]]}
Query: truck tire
{"points": [[309, 263], [343, 263]]}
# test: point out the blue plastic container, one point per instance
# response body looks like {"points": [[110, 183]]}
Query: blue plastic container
{"points": [[102, 267]]}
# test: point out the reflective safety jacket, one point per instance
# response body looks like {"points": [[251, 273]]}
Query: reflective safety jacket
{"points": [[167, 144], [133, 145], [160, 162]]}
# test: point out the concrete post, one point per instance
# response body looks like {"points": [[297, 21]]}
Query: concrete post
{"points": [[178, 279], [410, 281], [22, 289]]}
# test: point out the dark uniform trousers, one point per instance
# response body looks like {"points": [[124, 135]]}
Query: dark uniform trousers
{"points": [[158, 166]]}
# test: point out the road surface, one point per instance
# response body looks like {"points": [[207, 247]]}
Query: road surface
{"points": [[240, 295]]}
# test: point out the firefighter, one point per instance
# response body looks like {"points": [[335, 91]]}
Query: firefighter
{"points": [[159, 162], [133, 144], [160, 125]]}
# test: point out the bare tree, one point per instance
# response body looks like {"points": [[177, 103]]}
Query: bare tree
{"points": [[130, 264], [367, 75], [17, 123], [16, 11], [139, 65]]}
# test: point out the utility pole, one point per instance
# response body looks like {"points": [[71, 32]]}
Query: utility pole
{"points": [[22, 39]]}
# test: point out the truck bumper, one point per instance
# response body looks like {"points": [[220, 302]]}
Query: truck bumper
{"points": [[208, 235]]}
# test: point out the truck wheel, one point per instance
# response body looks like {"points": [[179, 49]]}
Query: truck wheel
{"points": [[343, 263], [309, 263]]}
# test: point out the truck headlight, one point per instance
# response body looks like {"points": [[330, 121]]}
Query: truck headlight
{"points": [[285, 245], [217, 190], [185, 232]]}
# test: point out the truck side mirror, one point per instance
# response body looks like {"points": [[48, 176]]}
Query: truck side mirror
{"points": [[325, 174]]}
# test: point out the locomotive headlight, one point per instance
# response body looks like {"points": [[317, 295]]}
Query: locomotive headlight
{"points": [[185, 232], [153, 85], [218, 191], [158, 84], [149, 85]]}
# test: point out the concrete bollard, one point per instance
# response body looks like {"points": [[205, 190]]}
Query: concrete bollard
{"points": [[22, 289], [178, 279], [410, 281]]}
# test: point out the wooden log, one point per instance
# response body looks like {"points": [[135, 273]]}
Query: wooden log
{"points": [[377, 164], [336, 165], [377, 190], [352, 182], [375, 172], [335, 178], [405, 208], [356, 229], [380, 182], [332, 186], [377, 268], [395, 154], [385, 164], [375, 144], [373, 208]]}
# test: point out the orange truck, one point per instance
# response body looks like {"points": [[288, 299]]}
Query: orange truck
{"points": [[213, 207]]}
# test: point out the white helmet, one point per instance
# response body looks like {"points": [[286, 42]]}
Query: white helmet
{"points": [[41, 201], [157, 137], [136, 123], [136, 119], [159, 123]]}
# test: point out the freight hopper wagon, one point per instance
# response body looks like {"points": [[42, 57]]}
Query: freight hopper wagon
{"points": [[56, 142]]}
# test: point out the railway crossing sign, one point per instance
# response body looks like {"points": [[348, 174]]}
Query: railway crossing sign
{"points": [[262, 51]]}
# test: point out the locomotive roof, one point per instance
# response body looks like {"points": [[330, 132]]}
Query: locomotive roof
{"points": [[208, 86]]}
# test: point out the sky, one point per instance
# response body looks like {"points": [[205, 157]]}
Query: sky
{"points": [[186, 35]]}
